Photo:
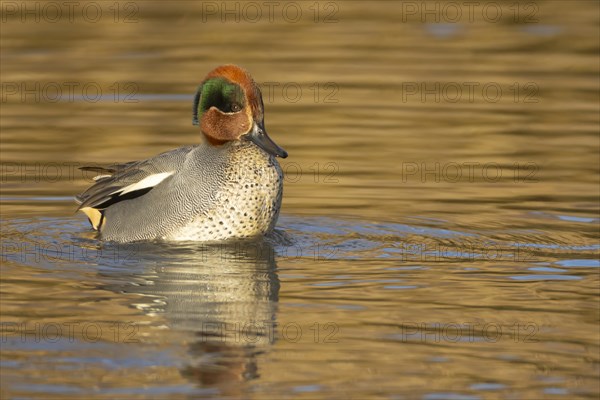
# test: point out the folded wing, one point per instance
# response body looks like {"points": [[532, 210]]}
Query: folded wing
{"points": [[126, 181]]}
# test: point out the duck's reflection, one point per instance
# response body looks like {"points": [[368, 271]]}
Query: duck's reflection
{"points": [[225, 296]]}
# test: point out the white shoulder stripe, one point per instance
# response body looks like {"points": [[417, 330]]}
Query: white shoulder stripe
{"points": [[149, 181]]}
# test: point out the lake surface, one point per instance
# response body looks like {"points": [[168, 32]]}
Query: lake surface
{"points": [[439, 236]]}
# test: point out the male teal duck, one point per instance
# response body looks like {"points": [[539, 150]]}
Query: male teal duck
{"points": [[229, 186]]}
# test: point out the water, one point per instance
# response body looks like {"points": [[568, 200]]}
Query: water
{"points": [[437, 240]]}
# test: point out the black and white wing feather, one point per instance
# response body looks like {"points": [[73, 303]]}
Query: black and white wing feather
{"points": [[126, 181]]}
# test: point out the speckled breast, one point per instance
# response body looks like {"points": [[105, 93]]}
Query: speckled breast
{"points": [[246, 204]]}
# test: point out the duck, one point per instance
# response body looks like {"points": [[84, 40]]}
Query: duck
{"points": [[229, 186]]}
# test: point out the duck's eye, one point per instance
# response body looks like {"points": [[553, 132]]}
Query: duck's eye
{"points": [[235, 107]]}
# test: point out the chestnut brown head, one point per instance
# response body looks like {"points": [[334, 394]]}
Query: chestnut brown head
{"points": [[228, 106]]}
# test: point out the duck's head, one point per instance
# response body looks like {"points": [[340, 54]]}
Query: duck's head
{"points": [[228, 106]]}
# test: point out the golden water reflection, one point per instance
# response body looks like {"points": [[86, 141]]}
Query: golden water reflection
{"points": [[442, 184]]}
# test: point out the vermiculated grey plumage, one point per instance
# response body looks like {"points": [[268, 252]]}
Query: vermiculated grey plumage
{"points": [[214, 193]]}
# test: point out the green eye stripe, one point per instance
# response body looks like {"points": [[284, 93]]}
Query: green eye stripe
{"points": [[220, 93]]}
